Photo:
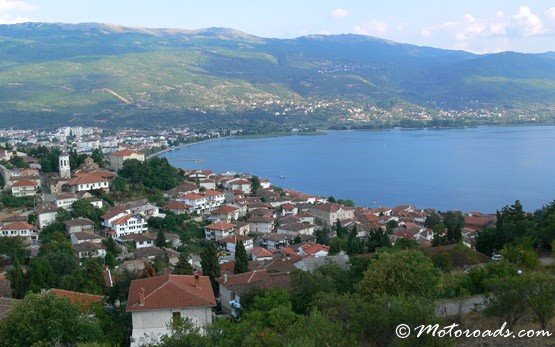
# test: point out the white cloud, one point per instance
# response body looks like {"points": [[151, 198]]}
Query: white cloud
{"points": [[339, 13], [470, 32], [10, 5], [528, 22], [12, 20], [374, 27]]}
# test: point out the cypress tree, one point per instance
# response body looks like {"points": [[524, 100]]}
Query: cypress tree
{"points": [[210, 265], [241, 258], [161, 239], [183, 267]]}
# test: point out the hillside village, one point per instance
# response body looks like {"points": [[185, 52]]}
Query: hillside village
{"points": [[121, 216]]}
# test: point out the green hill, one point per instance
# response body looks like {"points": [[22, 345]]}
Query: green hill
{"points": [[100, 74]]}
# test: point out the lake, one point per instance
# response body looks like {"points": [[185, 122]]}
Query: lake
{"points": [[471, 169]]}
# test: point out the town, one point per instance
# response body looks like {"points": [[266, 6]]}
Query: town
{"points": [[85, 211]]}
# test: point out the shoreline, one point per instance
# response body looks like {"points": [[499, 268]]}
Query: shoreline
{"points": [[320, 132], [185, 145]]}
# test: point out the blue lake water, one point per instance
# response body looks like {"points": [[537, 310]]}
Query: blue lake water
{"points": [[469, 169]]}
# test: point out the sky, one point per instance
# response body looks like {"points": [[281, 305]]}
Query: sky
{"points": [[481, 26]]}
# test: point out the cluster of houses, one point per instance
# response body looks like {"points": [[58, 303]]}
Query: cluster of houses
{"points": [[277, 228]]}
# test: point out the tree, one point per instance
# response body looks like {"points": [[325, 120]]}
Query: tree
{"points": [[210, 265], [404, 272], [19, 281], [160, 239], [340, 230], [255, 183], [454, 222], [183, 267], [377, 238], [432, 220], [331, 199], [521, 255], [98, 157], [439, 238], [541, 296], [14, 248], [241, 258], [46, 320], [323, 236], [506, 298]]}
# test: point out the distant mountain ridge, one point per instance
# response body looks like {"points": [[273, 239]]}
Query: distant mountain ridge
{"points": [[64, 72]]}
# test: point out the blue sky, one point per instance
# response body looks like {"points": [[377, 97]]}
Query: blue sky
{"points": [[478, 26]]}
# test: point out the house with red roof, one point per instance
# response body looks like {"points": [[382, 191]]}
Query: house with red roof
{"points": [[330, 213], [156, 302], [313, 250], [117, 158], [230, 242], [219, 230], [24, 187], [197, 201], [177, 207], [261, 254], [232, 287], [85, 182], [20, 229], [83, 301], [225, 213], [214, 198], [241, 184]]}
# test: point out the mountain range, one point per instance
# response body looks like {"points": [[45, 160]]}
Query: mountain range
{"points": [[55, 73]]}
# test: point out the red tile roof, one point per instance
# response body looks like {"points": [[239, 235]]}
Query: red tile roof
{"points": [[81, 300], [87, 178], [176, 205], [220, 226], [235, 238], [192, 196], [261, 252], [25, 183], [122, 220], [211, 192], [170, 292], [313, 248], [224, 210], [124, 153], [247, 277], [18, 226]]}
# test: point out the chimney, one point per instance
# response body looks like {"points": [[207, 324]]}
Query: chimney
{"points": [[225, 278], [197, 280], [142, 297]]}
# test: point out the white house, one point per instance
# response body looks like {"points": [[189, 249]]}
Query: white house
{"points": [[46, 215], [261, 254], [296, 229], [261, 224], [219, 230], [330, 213], [232, 240], [87, 181], [20, 229], [65, 200], [156, 302], [24, 188], [198, 202]]}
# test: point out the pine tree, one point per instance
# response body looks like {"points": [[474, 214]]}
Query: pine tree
{"points": [[210, 265], [183, 267], [241, 258], [160, 239]]}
